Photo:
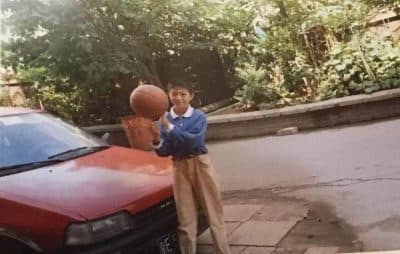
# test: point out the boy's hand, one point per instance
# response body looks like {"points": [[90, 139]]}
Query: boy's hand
{"points": [[156, 134], [165, 122]]}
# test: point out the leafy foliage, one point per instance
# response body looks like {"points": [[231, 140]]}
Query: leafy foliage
{"points": [[340, 17], [272, 86], [256, 91], [82, 46], [275, 52], [57, 95], [4, 96], [290, 26], [347, 73], [383, 3]]}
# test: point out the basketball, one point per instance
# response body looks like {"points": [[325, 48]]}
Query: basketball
{"points": [[149, 101]]}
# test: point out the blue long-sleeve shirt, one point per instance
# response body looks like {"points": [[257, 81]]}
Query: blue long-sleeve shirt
{"points": [[187, 137]]}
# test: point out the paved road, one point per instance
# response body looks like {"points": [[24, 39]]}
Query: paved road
{"points": [[355, 169]]}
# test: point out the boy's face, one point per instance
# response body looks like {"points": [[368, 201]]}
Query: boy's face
{"points": [[180, 97]]}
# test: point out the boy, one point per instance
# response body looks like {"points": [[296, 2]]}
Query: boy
{"points": [[183, 137]]}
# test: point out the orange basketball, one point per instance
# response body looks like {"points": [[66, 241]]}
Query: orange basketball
{"points": [[149, 101]]}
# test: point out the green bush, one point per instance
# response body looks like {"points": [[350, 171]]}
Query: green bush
{"points": [[361, 66], [55, 93], [4, 96], [263, 87], [254, 90], [301, 79], [67, 105], [276, 84], [384, 59]]}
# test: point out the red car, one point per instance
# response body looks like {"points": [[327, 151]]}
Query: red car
{"points": [[63, 190]]}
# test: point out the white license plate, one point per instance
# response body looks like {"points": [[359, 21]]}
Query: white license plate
{"points": [[168, 243]]}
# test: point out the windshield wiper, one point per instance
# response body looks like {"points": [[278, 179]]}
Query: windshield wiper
{"points": [[78, 150], [56, 158], [12, 169]]}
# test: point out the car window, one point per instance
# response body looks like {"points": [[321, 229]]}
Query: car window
{"points": [[33, 137]]}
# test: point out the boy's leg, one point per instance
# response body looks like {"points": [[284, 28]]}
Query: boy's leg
{"points": [[209, 197], [186, 206]]}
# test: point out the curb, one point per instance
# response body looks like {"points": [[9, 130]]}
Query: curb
{"points": [[339, 111], [346, 110]]}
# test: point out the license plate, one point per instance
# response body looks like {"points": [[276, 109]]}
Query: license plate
{"points": [[168, 243]]}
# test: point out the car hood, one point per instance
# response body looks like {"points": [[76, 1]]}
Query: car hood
{"points": [[95, 185]]}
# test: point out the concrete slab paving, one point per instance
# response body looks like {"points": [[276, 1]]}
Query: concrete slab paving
{"points": [[289, 251], [209, 249], [322, 250], [205, 237], [374, 252], [204, 249], [240, 212], [281, 211], [258, 250], [237, 249], [260, 233]]}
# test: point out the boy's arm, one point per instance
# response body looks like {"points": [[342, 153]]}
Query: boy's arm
{"points": [[162, 144], [193, 134]]}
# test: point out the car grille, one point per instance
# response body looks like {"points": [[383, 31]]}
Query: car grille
{"points": [[152, 216], [153, 213]]}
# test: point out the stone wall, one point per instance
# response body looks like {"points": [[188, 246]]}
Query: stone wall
{"points": [[347, 110]]}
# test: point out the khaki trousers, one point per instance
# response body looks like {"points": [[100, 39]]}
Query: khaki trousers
{"points": [[195, 187]]}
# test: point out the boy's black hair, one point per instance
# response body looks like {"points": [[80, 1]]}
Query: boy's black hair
{"points": [[180, 83]]}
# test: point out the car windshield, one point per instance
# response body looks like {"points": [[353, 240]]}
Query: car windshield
{"points": [[39, 137]]}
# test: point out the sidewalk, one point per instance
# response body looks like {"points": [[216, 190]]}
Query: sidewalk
{"points": [[278, 227]]}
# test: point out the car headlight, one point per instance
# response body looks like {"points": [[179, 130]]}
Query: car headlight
{"points": [[98, 230]]}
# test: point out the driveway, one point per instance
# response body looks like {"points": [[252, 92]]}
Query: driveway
{"points": [[353, 169]]}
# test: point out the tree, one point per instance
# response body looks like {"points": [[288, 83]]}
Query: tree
{"points": [[383, 3], [80, 47]]}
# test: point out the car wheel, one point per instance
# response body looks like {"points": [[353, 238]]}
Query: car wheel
{"points": [[11, 246]]}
